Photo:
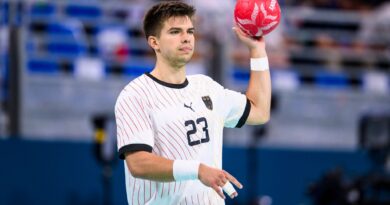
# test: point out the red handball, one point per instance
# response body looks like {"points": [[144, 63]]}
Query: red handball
{"points": [[257, 17]]}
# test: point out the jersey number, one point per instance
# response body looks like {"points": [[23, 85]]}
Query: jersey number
{"points": [[191, 124]]}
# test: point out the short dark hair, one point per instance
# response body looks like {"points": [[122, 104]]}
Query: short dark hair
{"points": [[159, 13]]}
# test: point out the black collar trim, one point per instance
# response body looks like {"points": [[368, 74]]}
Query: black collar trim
{"points": [[170, 85]]}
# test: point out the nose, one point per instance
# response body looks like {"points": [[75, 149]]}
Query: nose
{"points": [[186, 38]]}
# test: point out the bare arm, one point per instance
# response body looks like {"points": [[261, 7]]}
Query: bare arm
{"points": [[149, 166], [259, 86], [146, 165]]}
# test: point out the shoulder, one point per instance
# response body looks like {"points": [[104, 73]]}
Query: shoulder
{"points": [[133, 89], [204, 82], [201, 79], [137, 85]]}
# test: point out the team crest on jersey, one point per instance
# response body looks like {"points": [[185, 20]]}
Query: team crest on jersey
{"points": [[207, 101]]}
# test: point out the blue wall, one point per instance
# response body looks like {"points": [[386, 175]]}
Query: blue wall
{"points": [[59, 173]]}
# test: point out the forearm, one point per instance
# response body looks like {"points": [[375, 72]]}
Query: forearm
{"points": [[149, 166], [259, 91]]}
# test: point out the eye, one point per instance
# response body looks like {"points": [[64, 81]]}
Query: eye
{"points": [[174, 32], [191, 32]]}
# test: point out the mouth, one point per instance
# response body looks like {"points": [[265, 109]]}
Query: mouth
{"points": [[185, 49]]}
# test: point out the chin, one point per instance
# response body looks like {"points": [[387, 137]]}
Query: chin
{"points": [[182, 62]]}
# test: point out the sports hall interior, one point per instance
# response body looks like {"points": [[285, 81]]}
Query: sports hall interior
{"points": [[64, 62]]}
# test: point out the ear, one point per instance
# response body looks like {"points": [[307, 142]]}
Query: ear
{"points": [[153, 42]]}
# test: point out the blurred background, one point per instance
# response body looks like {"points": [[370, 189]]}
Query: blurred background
{"points": [[64, 62]]}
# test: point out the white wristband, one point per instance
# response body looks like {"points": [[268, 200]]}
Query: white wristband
{"points": [[259, 64], [185, 170]]}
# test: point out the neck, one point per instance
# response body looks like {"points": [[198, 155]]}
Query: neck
{"points": [[168, 73]]}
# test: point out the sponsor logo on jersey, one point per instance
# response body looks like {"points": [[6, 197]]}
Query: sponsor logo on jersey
{"points": [[189, 106]]}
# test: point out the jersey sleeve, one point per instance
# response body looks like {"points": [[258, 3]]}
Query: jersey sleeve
{"points": [[235, 109], [232, 106], [134, 127]]}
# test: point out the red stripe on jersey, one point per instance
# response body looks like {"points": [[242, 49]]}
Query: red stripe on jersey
{"points": [[172, 155], [150, 190], [162, 189], [150, 95], [172, 145], [169, 188], [137, 108], [157, 150], [135, 122], [144, 191], [121, 141], [173, 139], [139, 89], [161, 93], [132, 198], [128, 116], [145, 89], [129, 181], [155, 196], [124, 131], [119, 109], [177, 97], [170, 96], [139, 190], [155, 93], [165, 94], [133, 112], [183, 133], [180, 184], [206, 197], [145, 114]]}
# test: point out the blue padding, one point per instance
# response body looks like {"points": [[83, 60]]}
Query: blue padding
{"points": [[326, 79], [42, 66], [240, 74], [42, 9], [57, 28], [68, 49], [4, 76], [4, 8], [136, 70], [83, 11]]}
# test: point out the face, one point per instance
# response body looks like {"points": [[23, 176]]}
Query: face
{"points": [[175, 45]]}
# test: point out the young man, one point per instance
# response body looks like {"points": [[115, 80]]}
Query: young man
{"points": [[169, 125]]}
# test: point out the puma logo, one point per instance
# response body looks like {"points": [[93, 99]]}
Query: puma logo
{"points": [[190, 106]]}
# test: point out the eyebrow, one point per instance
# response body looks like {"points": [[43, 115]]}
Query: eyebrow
{"points": [[178, 28]]}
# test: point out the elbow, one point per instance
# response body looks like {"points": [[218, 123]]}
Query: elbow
{"points": [[136, 171], [265, 118], [259, 117], [135, 165]]}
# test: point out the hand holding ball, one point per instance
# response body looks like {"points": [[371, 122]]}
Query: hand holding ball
{"points": [[257, 17]]}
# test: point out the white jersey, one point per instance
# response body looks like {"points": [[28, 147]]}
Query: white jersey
{"points": [[176, 121]]}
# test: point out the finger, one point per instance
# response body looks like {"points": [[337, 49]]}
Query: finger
{"points": [[219, 191], [233, 180], [235, 29], [239, 32], [229, 190], [234, 195], [221, 183], [223, 178]]}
